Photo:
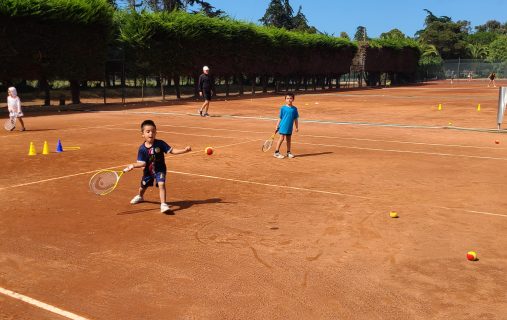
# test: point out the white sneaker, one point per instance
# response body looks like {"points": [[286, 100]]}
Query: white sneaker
{"points": [[278, 155], [290, 155], [164, 207], [136, 199]]}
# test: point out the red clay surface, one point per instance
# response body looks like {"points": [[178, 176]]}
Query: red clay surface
{"points": [[254, 237]]}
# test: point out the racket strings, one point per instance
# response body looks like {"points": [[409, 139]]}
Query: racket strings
{"points": [[267, 145], [103, 182], [9, 124]]}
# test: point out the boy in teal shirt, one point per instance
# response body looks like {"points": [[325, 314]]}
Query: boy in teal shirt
{"points": [[288, 118]]}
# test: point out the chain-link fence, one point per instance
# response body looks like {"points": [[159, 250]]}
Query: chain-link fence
{"points": [[472, 68]]}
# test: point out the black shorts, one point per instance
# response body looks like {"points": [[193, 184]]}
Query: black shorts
{"points": [[206, 95]]}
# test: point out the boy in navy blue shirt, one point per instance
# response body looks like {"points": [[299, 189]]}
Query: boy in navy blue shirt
{"points": [[288, 117], [151, 157]]}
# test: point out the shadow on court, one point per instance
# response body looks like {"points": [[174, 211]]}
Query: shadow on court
{"points": [[175, 206], [312, 154]]}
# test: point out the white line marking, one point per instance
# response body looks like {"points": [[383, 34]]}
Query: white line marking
{"points": [[324, 192], [41, 304], [176, 133], [110, 168], [403, 151], [340, 138]]}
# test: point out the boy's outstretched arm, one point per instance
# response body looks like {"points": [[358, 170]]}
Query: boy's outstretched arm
{"points": [[296, 123], [180, 151], [138, 164]]}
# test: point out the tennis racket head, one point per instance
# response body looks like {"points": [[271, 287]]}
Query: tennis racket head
{"points": [[268, 143], [104, 181], [10, 124]]}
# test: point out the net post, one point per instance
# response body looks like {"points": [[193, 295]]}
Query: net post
{"points": [[502, 100]]}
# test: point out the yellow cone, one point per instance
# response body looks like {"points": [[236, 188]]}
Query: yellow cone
{"points": [[439, 106], [479, 107], [45, 149], [31, 151]]}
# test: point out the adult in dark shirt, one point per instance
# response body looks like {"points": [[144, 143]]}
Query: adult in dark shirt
{"points": [[206, 89]]}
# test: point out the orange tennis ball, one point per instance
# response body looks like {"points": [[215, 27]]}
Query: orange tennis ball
{"points": [[208, 151], [497, 142], [471, 255]]}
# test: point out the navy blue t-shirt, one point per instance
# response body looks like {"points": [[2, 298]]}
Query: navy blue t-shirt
{"points": [[154, 157]]}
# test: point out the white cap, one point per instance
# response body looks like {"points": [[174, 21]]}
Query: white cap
{"points": [[205, 68]]}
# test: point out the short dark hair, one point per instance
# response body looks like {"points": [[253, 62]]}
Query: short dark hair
{"points": [[289, 94], [147, 123]]}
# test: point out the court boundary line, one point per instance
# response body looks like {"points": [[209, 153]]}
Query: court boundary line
{"points": [[267, 185], [109, 168], [404, 151], [325, 192], [40, 304], [333, 122], [340, 138]]}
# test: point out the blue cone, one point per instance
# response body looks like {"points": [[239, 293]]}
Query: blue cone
{"points": [[59, 147]]}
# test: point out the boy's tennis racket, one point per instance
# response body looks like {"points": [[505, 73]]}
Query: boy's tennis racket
{"points": [[105, 181], [10, 124], [268, 143]]}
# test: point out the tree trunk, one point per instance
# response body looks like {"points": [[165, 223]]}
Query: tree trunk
{"points": [[162, 86], [44, 86], [240, 84], [176, 80], [196, 85], [264, 80], [253, 81], [227, 87], [74, 90]]}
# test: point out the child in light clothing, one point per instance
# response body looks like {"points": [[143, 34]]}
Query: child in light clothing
{"points": [[288, 118], [14, 106]]}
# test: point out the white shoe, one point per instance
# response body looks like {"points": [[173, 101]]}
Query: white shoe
{"points": [[290, 155], [136, 199], [278, 155], [164, 207]]}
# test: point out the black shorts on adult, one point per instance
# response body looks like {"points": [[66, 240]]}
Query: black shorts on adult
{"points": [[206, 95]]}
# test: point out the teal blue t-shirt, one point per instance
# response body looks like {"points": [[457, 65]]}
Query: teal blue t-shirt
{"points": [[287, 117]]}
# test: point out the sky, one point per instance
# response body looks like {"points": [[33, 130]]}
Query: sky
{"points": [[378, 16]]}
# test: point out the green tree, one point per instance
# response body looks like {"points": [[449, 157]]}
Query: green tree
{"points": [[344, 35], [478, 51], [498, 50], [300, 23], [393, 34], [448, 37], [361, 34], [492, 26], [276, 15], [280, 14]]}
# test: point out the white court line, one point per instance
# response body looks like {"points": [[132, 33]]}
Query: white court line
{"points": [[60, 130], [341, 138], [41, 304], [264, 184], [110, 168], [324, 192], [403, 151], [178, 133], [333, 122]]}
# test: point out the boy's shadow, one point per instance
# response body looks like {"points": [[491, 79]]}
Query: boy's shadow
{"points": [[312, 154], [175, 205]]}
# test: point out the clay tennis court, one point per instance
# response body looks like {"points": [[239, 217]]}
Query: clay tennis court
{"points": [[254, 237]]}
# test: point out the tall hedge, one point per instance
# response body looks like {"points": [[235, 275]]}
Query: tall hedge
{"points": [[54, 38], [181, 43]]}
